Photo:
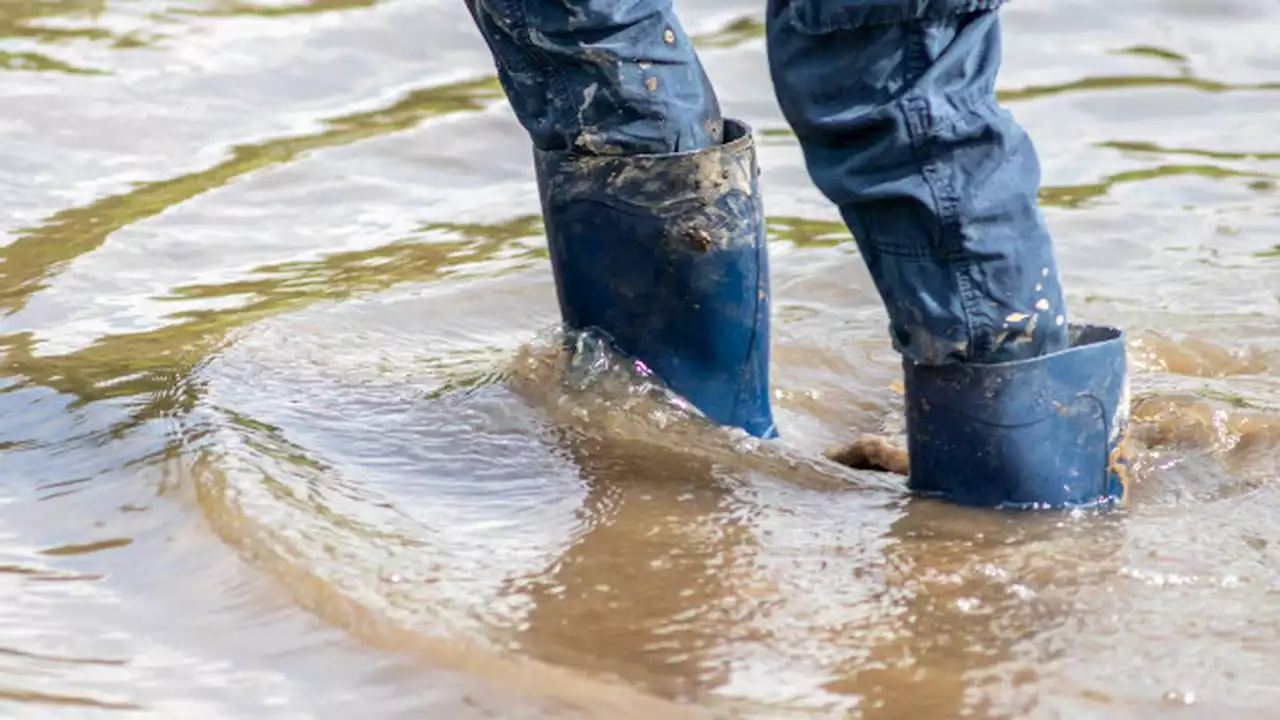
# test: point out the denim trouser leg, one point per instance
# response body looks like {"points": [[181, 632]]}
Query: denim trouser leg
{"points": [[893, 102], [604, 77]]}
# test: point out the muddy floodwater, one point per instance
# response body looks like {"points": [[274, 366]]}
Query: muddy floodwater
{"points": [[281, 435]]}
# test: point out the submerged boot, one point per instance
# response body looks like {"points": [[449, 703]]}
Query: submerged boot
{"points": [[1045, 432], [666, 255]]}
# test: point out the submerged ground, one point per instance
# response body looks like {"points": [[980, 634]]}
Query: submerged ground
{"points": [[276, 440]]}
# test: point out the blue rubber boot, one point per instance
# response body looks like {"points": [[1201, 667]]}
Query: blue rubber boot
{"points": [[1048, 432], [665, 254]]}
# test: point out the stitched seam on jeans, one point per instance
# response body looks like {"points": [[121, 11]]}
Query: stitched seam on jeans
{"points": [[921, 123], [914, 116], [980, 338], [985, 107]]}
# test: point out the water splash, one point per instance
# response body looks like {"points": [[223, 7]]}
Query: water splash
{"points": [[578, 374]]}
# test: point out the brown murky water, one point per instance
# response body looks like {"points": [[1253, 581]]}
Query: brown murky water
{"points": [[275, 439]]}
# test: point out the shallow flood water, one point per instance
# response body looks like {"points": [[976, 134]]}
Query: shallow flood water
{"points": [[279, 437]]}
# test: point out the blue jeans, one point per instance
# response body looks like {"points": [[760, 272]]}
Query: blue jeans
{"points": [[893, 103]]}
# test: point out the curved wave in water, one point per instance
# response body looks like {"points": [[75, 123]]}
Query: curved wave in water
{"points": [[397, 465]]}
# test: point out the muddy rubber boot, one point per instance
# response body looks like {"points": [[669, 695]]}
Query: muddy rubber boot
{"points": [[1048, 432], [666, 255]]}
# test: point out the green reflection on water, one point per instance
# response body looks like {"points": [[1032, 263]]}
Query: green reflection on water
{"points": [[439, 247], [310, 7], [20, 18], [35, 62], [803, 232], [1074, 196], [40, 252], [1148, 147], [155, 362], [31, 20], [735, 33], [1153, 52], [1129, 82]]}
